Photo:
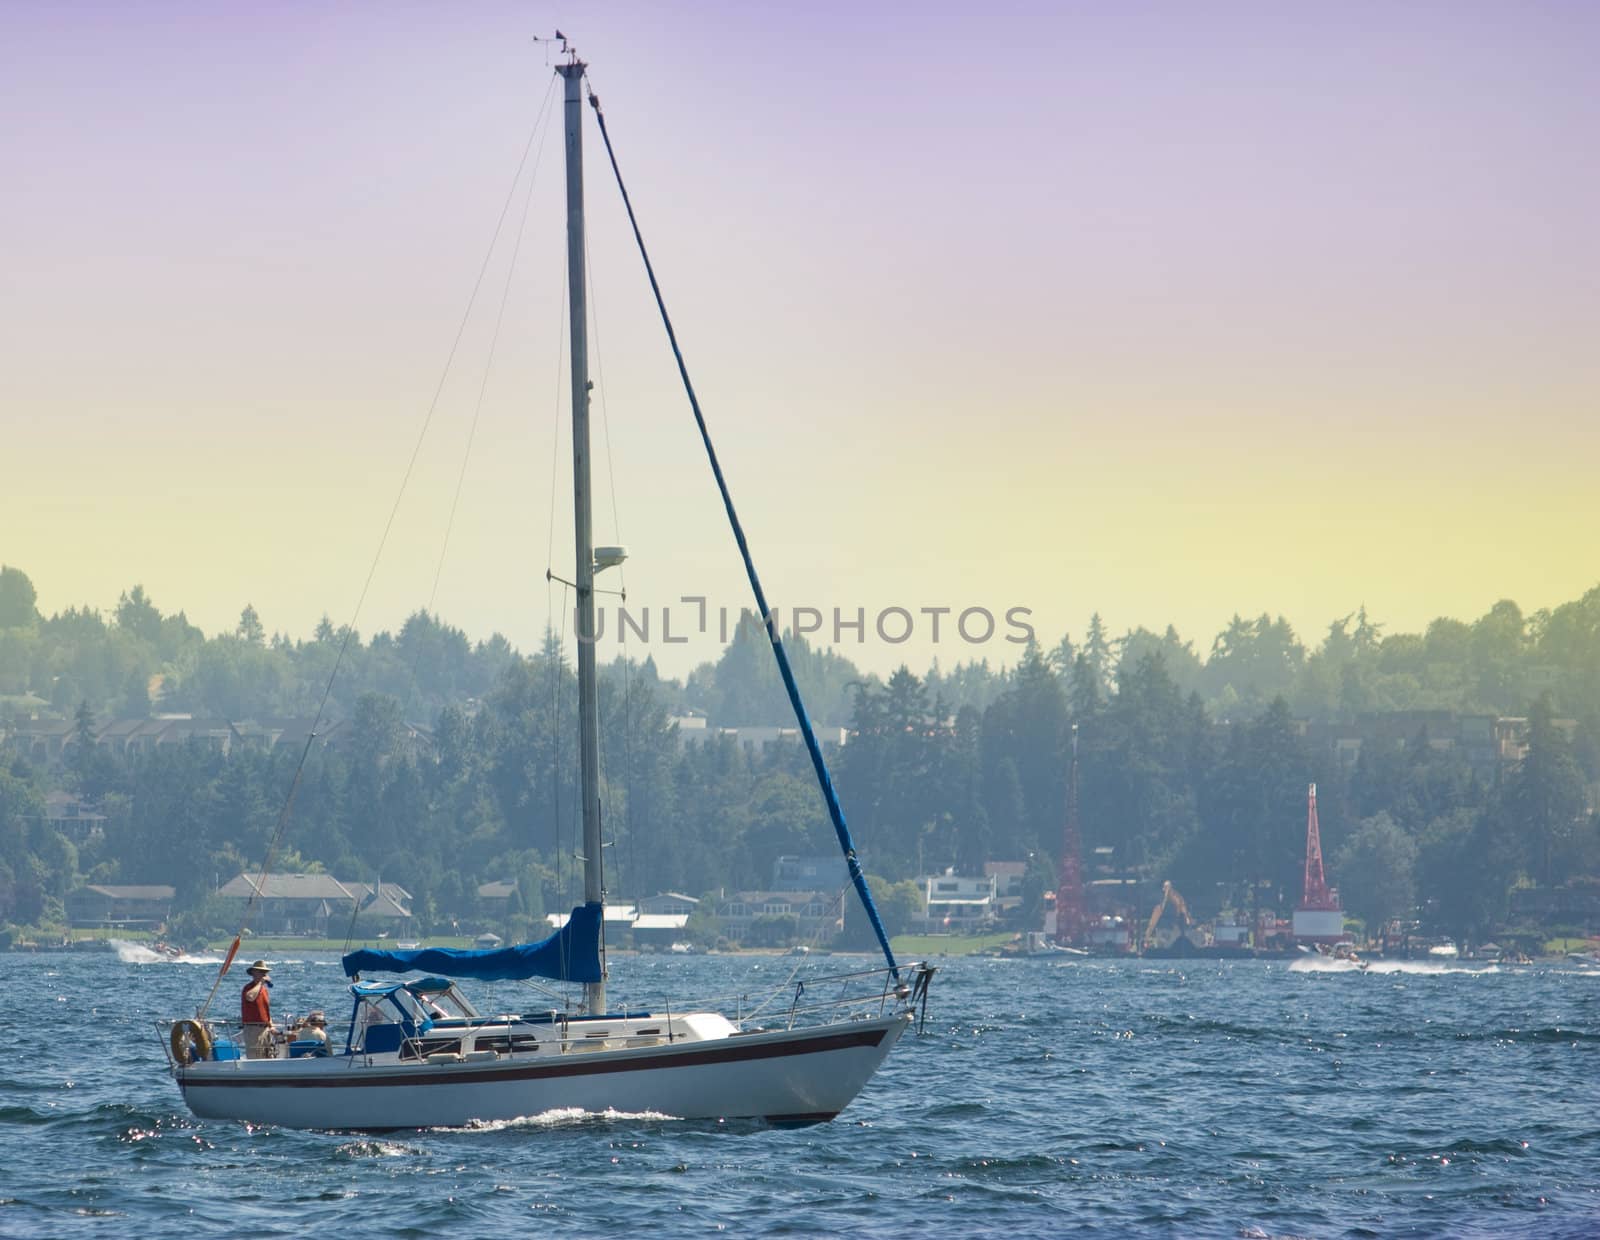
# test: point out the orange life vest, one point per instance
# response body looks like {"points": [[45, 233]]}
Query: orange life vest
{"points": [[257, 1011]]}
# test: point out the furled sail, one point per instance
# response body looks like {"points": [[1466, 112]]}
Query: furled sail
{"points": [[571, 954]]}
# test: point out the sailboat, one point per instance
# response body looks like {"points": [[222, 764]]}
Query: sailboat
{"points": [[418, 1053]]}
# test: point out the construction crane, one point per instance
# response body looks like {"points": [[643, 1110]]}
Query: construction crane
{"points": [[1169, 895]]}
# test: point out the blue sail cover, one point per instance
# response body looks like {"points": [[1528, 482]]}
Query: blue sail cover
{"points": [[571, 954]]}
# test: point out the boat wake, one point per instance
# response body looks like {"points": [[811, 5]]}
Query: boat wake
{"points": [[559, 1117], [137, 953], [1423, 968]]}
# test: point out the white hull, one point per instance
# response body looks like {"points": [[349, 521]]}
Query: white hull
{"points": [[790, 1076]]}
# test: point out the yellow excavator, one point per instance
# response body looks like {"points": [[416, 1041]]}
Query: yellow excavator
{"points": [[1169, 895]]}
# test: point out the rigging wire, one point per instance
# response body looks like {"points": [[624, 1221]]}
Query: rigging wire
{"points": [[605, 412], [555, 442], [818, 762], [627, 758], [622, 576], [556, 655], [383, 541], [558, 674], [558, 679], [543, 130]]}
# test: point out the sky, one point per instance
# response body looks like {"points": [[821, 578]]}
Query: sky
{"points": [[1165, 312]]}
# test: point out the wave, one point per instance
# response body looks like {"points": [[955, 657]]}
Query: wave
{"points": [[1490, 1145], [1416, 968], [1197, 1027], [24, 1115], [1201, 1025], [373, 1149], [1553, 1035]]}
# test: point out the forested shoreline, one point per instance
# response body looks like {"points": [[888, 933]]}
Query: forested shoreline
{"points": [[1194, 765]]}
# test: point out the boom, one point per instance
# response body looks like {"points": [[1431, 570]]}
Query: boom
{"points": [[1169, 895]]}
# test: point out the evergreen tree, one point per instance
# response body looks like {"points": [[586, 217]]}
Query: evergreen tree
{"points": [[1544, 799], [1097, 653], [17, 598], [249, 628], [1375, 872], [137, 615]]}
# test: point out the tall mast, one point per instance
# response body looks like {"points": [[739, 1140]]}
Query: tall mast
{"points": [[594, 993]]}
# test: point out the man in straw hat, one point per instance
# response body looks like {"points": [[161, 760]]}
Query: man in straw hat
{"points": [[255, 1013]]}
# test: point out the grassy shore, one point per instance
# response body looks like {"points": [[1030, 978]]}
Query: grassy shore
{"points": [[910, 946]]}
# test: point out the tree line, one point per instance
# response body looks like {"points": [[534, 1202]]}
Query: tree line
{"points": [[1191, 769]]}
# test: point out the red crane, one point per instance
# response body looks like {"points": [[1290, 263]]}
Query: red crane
{"points": [[1319, 919], [1317, 894]]}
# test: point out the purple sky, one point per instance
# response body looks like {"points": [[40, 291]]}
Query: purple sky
{"points": [[1167, 310]]}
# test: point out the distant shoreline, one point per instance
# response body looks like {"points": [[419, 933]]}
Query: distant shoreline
{"points": [[259, 946], [906, 947]]}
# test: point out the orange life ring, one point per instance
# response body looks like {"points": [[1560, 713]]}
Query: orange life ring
{"points": [[191, 1042]]}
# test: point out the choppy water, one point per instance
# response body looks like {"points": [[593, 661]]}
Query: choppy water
{"points": [[1194, 1099]]}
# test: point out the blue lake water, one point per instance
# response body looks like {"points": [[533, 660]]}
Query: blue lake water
{"points": [[1094, 1098]]}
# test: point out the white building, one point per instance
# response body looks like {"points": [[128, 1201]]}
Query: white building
{"points": [[957, 901]]}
